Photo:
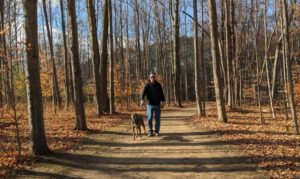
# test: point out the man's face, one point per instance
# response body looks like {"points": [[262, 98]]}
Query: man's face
{"points": [[152, 78]]}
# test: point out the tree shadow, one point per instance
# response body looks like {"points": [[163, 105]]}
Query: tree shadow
{"points": [[121, 133], [153, 164], [45, 174], [176, 138], [171, 141]]}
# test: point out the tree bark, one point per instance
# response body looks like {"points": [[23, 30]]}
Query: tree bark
{"points": [[267, 62], [67, 86], [176, 57], [275, 68], [111, 62], [137, 40], [203, 74], [38, 143], [216, 60], [196, 58], [229, 54], [55, 89], [95, 53], [5, 58], [104, 58], [288, 63], [76, 71], [257, 62]]}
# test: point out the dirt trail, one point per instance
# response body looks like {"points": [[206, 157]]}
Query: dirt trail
{"points": [[181, 151]]}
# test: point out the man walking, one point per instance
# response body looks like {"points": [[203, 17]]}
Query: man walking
{"points": [[155, 99]]}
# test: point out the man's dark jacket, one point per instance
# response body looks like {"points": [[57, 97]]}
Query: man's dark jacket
{"points": [[153, 93]]}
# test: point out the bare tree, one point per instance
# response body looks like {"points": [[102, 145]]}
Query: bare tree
{"points": [[5, 58], [267, 61], [95, 52], [229, 53], [176, 58], [216, 60], [104, 58], [288, 64], [55, 89], [38, 143], [196, 57], [76, 72], [66, 60], [111, 62]]}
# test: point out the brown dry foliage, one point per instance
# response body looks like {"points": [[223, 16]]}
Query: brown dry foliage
{"points": [[59, 131], [272, 146]]}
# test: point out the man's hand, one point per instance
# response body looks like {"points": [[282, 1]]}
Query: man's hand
{"points": [[142, 102]]}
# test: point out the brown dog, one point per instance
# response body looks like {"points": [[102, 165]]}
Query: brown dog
{"points": [[136, 123]]}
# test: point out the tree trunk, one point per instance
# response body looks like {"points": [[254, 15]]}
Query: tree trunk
{"points": [[67, 86], [104, 58], [111, 63], [95, 53], [203, 75], [257, 62], [76, 72], [267, 62], [229, 55], [38, 143], [234, 62], [176, 57], [275, 69], [196, 57], [137, 40], [55, 89], [288, 64], [5, 58], [216, 60], [1, 59]]}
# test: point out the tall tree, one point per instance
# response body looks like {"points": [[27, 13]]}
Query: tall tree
{"points": [[196, 57], [137, 40], [1, 58], [38, 143], [288, 64], [111, 62], [176, 57], [216, 60], [95, 52], [203, 74], [76, 72], [229, 53], [267, 61], [104, 58], [4, 56], [55, 89], [256, 30], [66, 60]]}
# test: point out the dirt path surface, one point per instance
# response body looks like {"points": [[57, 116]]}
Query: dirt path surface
{"points": [[181, 151]]}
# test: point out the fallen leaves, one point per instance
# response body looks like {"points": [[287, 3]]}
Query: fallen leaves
{"points": [[59, 131], [271, 147]]}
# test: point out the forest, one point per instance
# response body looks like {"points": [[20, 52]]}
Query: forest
{"points": [[73, 71]]}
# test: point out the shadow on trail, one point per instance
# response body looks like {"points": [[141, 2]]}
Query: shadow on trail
{"points": [[164, 134], [120, 164], [188, 143], [46, 174], [105, 153]]}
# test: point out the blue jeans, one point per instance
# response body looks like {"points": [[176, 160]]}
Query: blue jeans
{"points": [[150, 110]]}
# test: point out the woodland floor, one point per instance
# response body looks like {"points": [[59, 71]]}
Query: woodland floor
{"points": [[181, 151]]}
